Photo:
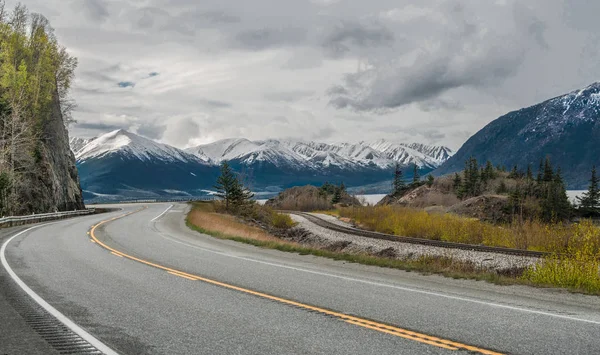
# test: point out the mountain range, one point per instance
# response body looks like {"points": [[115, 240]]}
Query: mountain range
{"points": [[121, 164], [566, 129]]}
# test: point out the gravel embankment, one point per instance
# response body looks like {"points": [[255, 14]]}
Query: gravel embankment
{"points": [[325, 238]]}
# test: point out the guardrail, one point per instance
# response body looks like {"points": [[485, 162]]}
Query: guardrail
{"points": [[35, 218], [176, 199]]}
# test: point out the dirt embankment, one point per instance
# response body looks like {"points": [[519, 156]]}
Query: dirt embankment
{"points": [[309, 198], [441, 198]]}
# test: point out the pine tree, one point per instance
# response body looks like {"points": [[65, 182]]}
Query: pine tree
{"points": [[398, 184], [555, 202], [540, 175], [416, 175], [589, 202], [514, 173], [240, 195], [458, 186], [530, 188], [337, 196], [548, 172], [489, 171], [430, 180], [227, 185]]}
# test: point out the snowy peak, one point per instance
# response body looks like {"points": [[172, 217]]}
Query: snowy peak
{"points": [[574, 108], [77, 143], [132, 146], [315, 155]]}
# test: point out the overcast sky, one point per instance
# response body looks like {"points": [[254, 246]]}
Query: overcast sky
{"points": [[188, 72]]}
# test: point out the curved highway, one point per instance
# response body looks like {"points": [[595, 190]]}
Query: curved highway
{"points": [[149, 285]]}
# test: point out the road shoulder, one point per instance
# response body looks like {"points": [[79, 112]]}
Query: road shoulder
{"points": [[16, 336]]}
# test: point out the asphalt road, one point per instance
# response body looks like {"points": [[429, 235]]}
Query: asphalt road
{"points": [[139, 309]]}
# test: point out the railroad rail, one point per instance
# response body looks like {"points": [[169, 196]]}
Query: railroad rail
{"points": [[411, 240]]}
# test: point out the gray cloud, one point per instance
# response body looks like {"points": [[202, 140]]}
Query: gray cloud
{"points": [[470, 56], [152, 131], [287, 96], [258, 39], [214, 103], [126, 84], [95, 10], [348, 34], [431, 71], [101, 127]]}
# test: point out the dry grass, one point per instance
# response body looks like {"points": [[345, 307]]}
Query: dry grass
{"points": [[576, 247], [578, 273], [228, 225]]}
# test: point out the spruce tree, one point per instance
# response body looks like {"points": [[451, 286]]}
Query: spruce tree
{"points": [[589, 202], [227, 185], [416, 175], [398, 184], [430, 180], [548, 172], [489, 170], [337, 196]]}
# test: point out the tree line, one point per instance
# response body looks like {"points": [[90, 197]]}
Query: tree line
{"points": [[541, 194], [35, 77]]}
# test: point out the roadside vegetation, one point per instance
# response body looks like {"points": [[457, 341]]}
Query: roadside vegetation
{"points": [[205, 218], [540, 219], [575, 247]]}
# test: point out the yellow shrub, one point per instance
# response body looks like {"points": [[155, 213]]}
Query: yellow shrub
{"points": [[282, 221]]}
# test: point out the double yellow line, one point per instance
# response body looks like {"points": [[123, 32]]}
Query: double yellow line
{"points": [[361, 322]]}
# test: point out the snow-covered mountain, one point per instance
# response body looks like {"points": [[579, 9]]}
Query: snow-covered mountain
{"points": [[314, 155], [121, 164], [129, 145], [565, 128], [77, 143]]}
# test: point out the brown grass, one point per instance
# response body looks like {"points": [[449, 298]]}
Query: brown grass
{"points": [[229, 225]]}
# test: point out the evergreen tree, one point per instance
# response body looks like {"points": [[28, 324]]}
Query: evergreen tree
{"points": [[548, 172], [555, 202], [337, 196], [430, 180], [502, 188], [227, 185], [472, 181], [398, 184], [516, 199], [490, 174], [416, 175], [458, 186], [514, 173], [540, 175], [589, 202], [529, 188]]}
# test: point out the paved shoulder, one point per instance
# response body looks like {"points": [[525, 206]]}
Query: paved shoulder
{"points": [[16, 336]]}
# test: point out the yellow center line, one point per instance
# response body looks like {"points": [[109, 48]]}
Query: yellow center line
{"points": [[117, 254], [184, 276], [361, 322]]}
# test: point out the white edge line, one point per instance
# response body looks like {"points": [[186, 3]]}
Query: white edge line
{"points": [[53, 311], [429, 293], [160, 215]]}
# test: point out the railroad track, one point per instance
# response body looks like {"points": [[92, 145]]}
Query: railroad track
{"points": [[421, 241]]}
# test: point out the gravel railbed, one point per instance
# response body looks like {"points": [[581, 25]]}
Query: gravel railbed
{"points": [[350, 243]]}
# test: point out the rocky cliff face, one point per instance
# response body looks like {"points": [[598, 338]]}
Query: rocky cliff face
{"points": [[54, 185]]}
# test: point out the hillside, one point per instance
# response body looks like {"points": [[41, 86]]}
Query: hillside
{"points": [[566, 128]]}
